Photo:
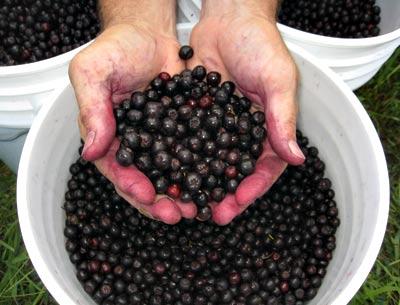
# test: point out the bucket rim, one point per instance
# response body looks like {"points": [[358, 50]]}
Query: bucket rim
{"points": [[42, 65], [56, 61], [321, 40]]}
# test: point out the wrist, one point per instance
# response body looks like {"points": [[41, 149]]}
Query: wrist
{"points": [[263, 8], [151, 15]]}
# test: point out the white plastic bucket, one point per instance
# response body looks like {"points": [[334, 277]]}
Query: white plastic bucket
{"points": [[11, 146], [23, 90], [330, 115], [355, 60], [191, 9]]}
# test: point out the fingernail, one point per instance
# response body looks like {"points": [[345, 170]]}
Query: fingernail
{"points": [[89, 141], [295, 149], [146, 213]]}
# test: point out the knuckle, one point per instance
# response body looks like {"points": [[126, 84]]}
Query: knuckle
{"points": [[126, 186], [85, 115], [291, 122]]}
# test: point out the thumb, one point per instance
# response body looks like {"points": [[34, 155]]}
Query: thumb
{"points": [[281, 111], [96, 118]]}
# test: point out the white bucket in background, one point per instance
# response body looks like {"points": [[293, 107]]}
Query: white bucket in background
{"points": [[330, 115], [11, 146], [355, 60], [190, 9], [23, 90]]}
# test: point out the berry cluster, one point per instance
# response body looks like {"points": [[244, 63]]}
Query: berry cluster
{"points": [[33, 30], [335, 18], [275, 253], [191, 135]]}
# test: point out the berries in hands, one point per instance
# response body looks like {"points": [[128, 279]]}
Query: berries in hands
{"points": [[192, 145]]}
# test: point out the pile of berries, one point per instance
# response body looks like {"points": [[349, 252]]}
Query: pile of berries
{"points": [[190, 134], [33, 30], [276, 253], [334, 18]]}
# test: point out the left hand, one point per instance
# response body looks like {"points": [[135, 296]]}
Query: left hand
{"points": [[124, 58], [242, 43]]}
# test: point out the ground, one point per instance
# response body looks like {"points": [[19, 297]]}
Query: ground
{"points": [[19, 284]]}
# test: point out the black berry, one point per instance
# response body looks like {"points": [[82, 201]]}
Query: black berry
{"points": [[185, 52]]}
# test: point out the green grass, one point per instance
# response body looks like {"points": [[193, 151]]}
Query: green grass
{"points": [[381, 98], [19, 284]]}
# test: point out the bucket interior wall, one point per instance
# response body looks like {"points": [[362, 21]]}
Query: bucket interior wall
{"points": [[390, 12], [331, 125]]}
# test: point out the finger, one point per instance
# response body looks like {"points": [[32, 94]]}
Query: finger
{"points": [[188, 209], [143, 209], [129, 179], [281, 112], [226, 210], [268, 169], [166, 211], [163, 210], [96, 109]]}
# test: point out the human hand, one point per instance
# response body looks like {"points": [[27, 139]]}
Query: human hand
{"points": [[123, 59], [241, 41]]}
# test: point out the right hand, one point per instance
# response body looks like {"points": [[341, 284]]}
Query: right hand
{"points": [[240, 40], [123, 59]]}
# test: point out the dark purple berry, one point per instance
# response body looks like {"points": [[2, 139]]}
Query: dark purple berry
{"points": [[185, 156], [162, 160], [258, 118], [192, 182], [213, 78], [125, 156], [217, 167], [185, 52], [168, 126], [204, 214], [200, 198], [134, 116], [199, 72], [231, 186], [138, 100], [131, 139], [217, 194], [246, 167], [206, 102], [229, 87]]}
